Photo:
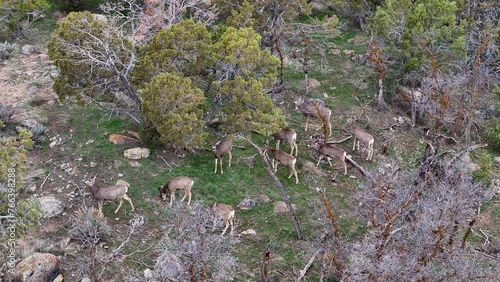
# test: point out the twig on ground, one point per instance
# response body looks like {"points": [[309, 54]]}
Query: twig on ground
{"points": [[306, 268]]}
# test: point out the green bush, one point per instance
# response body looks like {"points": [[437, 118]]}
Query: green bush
{"points": [[493, 134], [483, 173], [77, 5], [6, 50], [14, 12]]}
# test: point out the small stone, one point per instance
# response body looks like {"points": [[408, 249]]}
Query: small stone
{"points": [[92, 164], [148, 274], [249, 232], [137, 153], [91, 141], [32, 188], [264, 198], [86, 279], [281, 207], [134, 164], [120, 175]]}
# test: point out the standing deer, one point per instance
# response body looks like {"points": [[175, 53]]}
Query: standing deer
{"points": [[226, 213], [183, 183], [288, 135], [308, 110], [283, 158], [222, 147], [359, 135], [111, 193], [331, 151]]}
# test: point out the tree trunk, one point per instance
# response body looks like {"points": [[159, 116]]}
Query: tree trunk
{"points": [[278, 184]]}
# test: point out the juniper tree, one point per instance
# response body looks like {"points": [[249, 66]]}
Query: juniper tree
{"points": [[175, 108]]}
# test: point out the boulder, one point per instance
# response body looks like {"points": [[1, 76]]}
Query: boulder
{"points": [[281, 207], [50, 206], [29, 49], [137, 153], [37, 267], [246, 204], [32, 124]]}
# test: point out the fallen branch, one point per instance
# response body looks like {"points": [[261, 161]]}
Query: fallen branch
{"points": [[363, 171], [45, 180], [278, 184], [306, 268]]}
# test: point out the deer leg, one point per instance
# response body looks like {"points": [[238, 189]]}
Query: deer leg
{"points": [[189, 197], [277, 144], [358, 145], [185, 194], [99, 206], [231, 222], [329, 161], [225, 228], [230, 158], [319, 160], [215, 171], [353, 143], [172, 197], [296, 177], [221, 171], [119, 205], [307, 122], [294, 145], [330, 128], [345, 167], [127, 198]]}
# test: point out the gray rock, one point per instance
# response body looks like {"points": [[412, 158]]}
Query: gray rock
{"points": [[246, 204], [50, 206], [29, 49], [137, 153], [497, 160], [281, 207], [37, 267]]}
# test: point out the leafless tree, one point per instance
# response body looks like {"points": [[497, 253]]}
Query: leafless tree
{"points": [[419, 224], [190, 250]]}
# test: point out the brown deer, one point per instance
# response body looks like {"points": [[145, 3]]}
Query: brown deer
{"points": [[183, 183], [330, 151], [288, 135], [226, 213], [222, 147], [308, 110], [111, 193], [283, 158], [359, 135]]}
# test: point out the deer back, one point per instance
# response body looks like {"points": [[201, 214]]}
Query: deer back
{"points": [[111, 192], [222, 147], [332, 151], [360, 134], [179, 182], [282, 157], [223, 210], [285, 134]]}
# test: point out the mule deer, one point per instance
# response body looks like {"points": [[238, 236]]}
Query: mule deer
{"points": [[331, 151], [226, 213], [115, 192], [288, 135], [222, 147], [359, 135], [284, 158], [308, 110], [183, 183]]}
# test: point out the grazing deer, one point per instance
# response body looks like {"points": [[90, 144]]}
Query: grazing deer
{"points": [[284, 158], [111, 193], [222, 147], [226, 213], [177, 183], [307, 109], [288, 135], [359, 135], [331, 151]]}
